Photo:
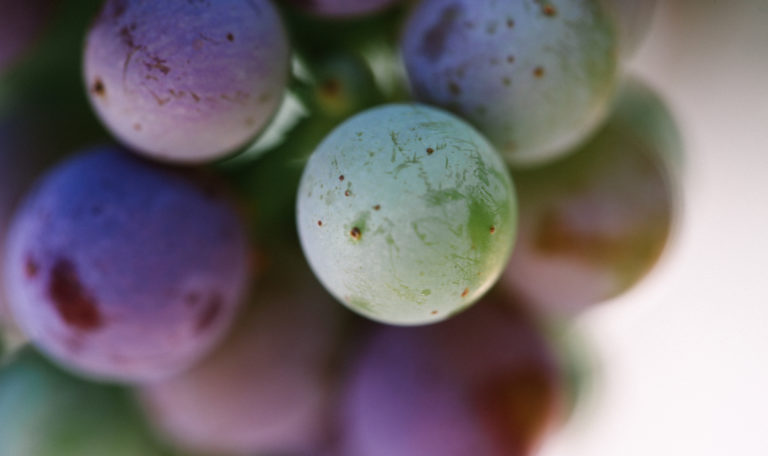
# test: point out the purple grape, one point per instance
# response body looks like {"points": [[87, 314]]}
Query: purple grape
{"points": [[20, 25], [597, 222], [266, 389], [122, 269], [186, 81], [536, 77], [485, 383], [342, 8]]}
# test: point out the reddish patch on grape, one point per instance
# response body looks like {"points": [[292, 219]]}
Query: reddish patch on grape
{"points": [[377, 207], [210, 314], [74, 304], [319, 223], [430, 151], [356, 233], [31, 268], [434, 312], [493, 229], [516, 407], [538, 72], [549, 10], [465, 293], [341, 178], [331, 87], [347, 193]]}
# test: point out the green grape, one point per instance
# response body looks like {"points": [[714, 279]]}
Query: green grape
{"points": [[406, 214], [46, 412]]}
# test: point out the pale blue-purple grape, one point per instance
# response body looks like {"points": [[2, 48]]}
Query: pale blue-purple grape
{"points": [[597, 222], [537, 77], [486, 382], [406, 214], [21, 22], [633, 21], [125, 270], [268, 388], [186, 81], [342, 8], [46, 412]]}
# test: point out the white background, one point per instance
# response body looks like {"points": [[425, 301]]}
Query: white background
{"points": [[684, 357]]}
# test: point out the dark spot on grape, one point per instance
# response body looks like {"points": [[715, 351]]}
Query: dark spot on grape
{"points": [[506, 81], [465, 293], [74, 304], [430, 151], [454, 88], [511, 59], [31, 268], [355, 233], [434, 41], [195, 97], [538, 72], [210, 314], [230, 37], [99, 89], [510, 23], [347, 193], [434, 312], [377, 207], [493, 230], [341, 178], [515, 407], [331, 87], [319, 223], [549, 10], [137, 126]]}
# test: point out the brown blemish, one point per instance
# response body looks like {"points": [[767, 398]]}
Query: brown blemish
{"points": [[493, 230], [74, 304], [549, 10], [465, 293], [230, 37], [31, 268], [341, 178], [98, 88], [538, 72], [195, 97], [331, 87], [356, 233], [510, 23], [434, 312], [210, 314], [137, 126], [347, 193], [511, 59], [319, 223], [430, 151], [377, 207]]}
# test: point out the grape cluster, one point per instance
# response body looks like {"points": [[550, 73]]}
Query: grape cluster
{"points": [[187, 186]]}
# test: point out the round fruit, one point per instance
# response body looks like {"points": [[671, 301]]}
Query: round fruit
{"points": [[186, 81], [122, 269], [406, 214], [537, 77]]}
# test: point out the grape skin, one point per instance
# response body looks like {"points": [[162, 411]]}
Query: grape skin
{"points": [[536, 77], [597, 222], [266, 390], [124, 270], [186, 81], [633, 19], [485, 383], [406, 214]]}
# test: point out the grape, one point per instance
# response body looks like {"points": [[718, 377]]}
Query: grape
{"points": [[186, 81], [536, 77], [20, 25], [633, 19], [406, 214], [485, 383], [597, 222], [266, 390], [45, 412], [342, 8], [122, 269]]}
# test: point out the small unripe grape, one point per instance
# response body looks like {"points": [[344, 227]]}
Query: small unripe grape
{"points": [[186, 81], [595, 223], [406, 214], [46, 412], [122, 269], [341, 8], [537, 77], [486, 382], [267, 389]]}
